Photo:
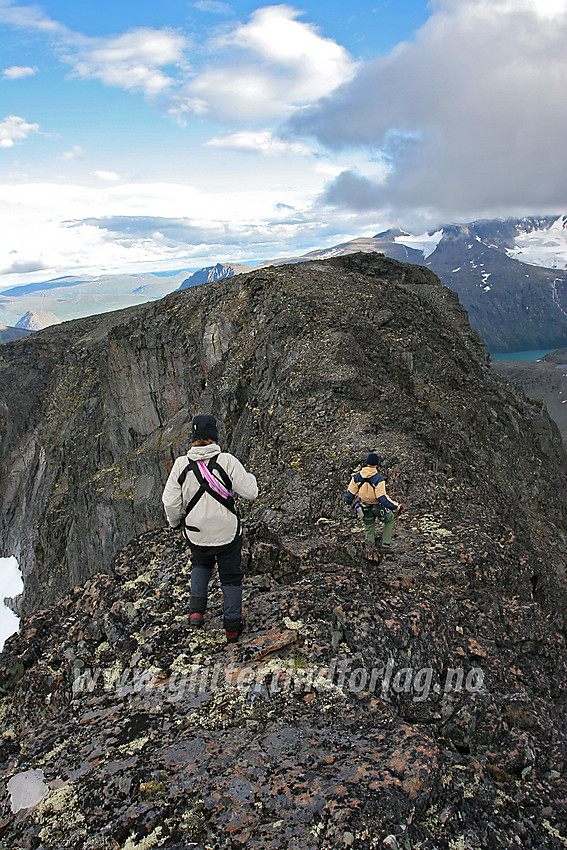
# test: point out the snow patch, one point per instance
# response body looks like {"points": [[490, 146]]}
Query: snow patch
{"points": [[11, 584], [543, 247], [425, 242]]}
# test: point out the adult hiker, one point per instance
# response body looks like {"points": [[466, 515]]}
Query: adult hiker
{"points": [[199, 499], [373, 503]]}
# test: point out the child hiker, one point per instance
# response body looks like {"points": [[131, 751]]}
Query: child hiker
{"points": [[373, 503]]}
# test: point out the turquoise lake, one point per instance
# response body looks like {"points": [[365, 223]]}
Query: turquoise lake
{"points": [[523, 355]]}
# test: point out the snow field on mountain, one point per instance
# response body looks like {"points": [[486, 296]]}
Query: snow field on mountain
{"points": [[11, 584], [425, 242], [543, 247]]}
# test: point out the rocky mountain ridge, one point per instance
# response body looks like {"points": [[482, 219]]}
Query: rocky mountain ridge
{"points": [[510, 275], [93, 411], [415, 704], [9, 334], [419, 703]]}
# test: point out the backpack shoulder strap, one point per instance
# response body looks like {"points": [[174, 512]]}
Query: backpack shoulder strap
{"points": [[373, 480], [213, 464], [193, 467], [205, 487]]}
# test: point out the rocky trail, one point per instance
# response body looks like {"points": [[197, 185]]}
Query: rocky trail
{"points": [[408, 704]]}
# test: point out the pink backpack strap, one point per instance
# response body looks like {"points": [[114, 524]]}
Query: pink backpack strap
{"points": [[214, 483]]}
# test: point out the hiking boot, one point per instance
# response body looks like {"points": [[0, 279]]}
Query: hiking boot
{"points": [[196, 620], [370, 552], [232, 635]]}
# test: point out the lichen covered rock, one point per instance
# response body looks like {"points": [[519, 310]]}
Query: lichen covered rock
{"points": [[409, 703]]}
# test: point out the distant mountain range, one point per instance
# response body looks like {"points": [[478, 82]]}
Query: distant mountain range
{"points": [[217, 272], [35, 320], [75, 297], [510, 275]]}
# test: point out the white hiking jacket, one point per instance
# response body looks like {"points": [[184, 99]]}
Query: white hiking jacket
{"points": [[217, 524]]}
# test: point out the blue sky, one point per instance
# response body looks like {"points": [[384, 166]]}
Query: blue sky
{"points": [[139, 136]]}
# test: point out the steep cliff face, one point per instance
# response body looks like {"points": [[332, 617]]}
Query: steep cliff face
{"points": [[306, 367], [545, 380]]}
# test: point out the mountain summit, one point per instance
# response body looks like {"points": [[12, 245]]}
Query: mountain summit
{"points": [[419, 702]]}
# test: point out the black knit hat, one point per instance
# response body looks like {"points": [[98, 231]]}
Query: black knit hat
{"points": [[204, 428], [372, 460]]}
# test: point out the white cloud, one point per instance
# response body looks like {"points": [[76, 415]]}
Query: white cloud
{"points": [[120, 227], [14, 129], [215, 7], [471, 114], [257, 70], [18, 72], [132, 60], [29, 17], [106, 176], [260, 141], [265, 68], [76, 152]]}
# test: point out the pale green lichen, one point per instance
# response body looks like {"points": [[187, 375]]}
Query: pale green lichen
{"points": [[294, 625], [102, 647], [182, 663], [552, 831], [143, 578], [154, 839], [113, 675], [212, 640], [299, 677], [429, 525], [58, 748], [131, 747], [138, 637], [60, 813], [4, 706]]}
